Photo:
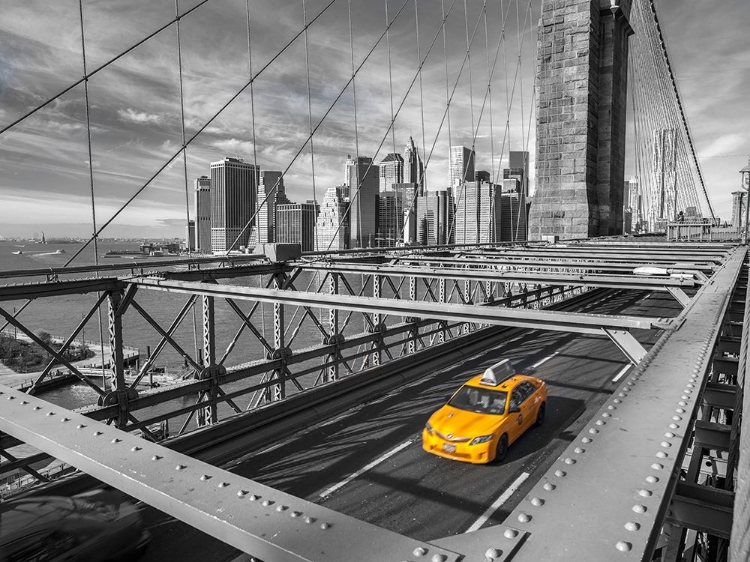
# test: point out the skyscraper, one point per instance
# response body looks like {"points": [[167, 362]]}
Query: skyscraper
{"points": [[461, 165], [435, 218], [518, 162], [413, 167], [391, 171], [363, 179], [203, 215], [295, 224], [332, 224], [271, 192], [233, 191], [662, 196], [478, 213]]}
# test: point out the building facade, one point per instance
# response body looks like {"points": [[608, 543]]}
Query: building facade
{"points": [[332, 223], [271, 192], [203, 215], [434, 218], [391, 171], [461, 165], [413, 167], [478, 213], [295, 224], [234, 184], [363, 179]]}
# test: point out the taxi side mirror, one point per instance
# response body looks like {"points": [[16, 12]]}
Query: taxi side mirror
{"points": [[514, 410]]}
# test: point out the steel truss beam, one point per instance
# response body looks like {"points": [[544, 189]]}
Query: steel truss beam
{"points": [[533, 319]]}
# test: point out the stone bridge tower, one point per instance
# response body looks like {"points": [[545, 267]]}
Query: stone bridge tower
{"points": [[581, 90]]}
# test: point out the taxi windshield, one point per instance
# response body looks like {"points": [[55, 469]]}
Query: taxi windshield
{"points": [[480, 400]]}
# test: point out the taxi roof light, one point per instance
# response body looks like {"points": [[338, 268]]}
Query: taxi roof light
{"points": [[498, 373]]}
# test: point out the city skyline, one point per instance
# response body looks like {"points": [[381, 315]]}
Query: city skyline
{"points": [[133, 131]]}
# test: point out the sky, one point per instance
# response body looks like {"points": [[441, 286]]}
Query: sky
{"points": [[136, 111]]}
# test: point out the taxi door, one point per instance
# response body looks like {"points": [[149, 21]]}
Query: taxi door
{"points": [[528, 406], [516, 416]]}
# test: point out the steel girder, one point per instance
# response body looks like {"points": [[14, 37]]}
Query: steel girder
{"points": [[534, 319]]}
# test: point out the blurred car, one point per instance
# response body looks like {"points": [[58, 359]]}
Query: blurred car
{"points": [[101, 525], [486, 415]]}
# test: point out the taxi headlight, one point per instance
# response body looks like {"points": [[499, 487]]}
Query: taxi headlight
{"points": [[428, 427], [481, 439]]}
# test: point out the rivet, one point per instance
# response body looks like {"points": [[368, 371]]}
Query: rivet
{"points": [[638, 508], [24, 402], [205, 477], [135, 449], [687, 391], [180, 467], [524, 517], [593, 431], [682, 403], [645, 493], [685, 397], [223, 484], [295, 514], [657, 466], [549, 487], [35, 407], [651, 479], [673, 426], [242, 493], [680, 411], [559, 473], [622, 395], [116, 440], [80, 426], [676, 418], [50, 413], [630, 383], [537, 502], [632, 526], [155, 458], [568, 460], [309, 520], [661, 455], [282, 508], [266, 503], [438, 558], [586, 440], [606, 415], [420, 551], [623, 546], [11, 397], [611, 407], [600, 422], [97, 433], [579, 450], [510, 533], [65, 420], [325, 526], [665, 444], [493, 554], [617, 401], [254, 498]]}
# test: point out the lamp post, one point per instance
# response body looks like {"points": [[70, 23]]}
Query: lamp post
{"points": [[745, 172]]}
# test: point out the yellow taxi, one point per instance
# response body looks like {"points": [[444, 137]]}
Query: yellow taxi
{"points": [[486, 415]]}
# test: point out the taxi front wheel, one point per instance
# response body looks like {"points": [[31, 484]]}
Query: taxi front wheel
{"points": [[502, 448], [540, 415]]}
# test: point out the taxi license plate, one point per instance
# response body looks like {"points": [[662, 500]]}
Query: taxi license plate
{"points": [[449, 448]]}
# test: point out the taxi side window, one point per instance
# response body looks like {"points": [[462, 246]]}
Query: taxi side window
{"points": [[516, 398], [527, 389]]}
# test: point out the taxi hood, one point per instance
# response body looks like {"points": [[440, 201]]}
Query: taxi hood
{"points": [[463, 423]]}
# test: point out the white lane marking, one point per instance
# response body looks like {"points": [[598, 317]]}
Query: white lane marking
{"points": [[535, 365], [364, 469], [498, 502], [619, 375]]}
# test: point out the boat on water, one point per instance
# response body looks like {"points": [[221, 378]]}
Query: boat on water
{"points": [[18, 252]]}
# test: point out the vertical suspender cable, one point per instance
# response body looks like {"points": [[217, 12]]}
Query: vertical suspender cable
{"points": [[309, 121], [421, 96], [252, 117], [356, 132], [182, 125], [471, 94]]}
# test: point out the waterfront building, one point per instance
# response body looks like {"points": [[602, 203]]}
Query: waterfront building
{"points": [[413, 167], [233, 190], [295, 224], [391, 171], [461, 165], [478, 213], [202, 242], [363, 179], [190, 236], [434, 218], [271, 192], [332, 224]]}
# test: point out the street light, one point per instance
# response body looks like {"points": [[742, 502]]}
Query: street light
{"points": [[745, 172]]}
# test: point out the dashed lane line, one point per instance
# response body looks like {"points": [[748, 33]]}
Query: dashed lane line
{"points": [[535, 365], [498, 502], [365, 468]]}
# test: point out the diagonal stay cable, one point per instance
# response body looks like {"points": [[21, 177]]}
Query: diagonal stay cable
{"points": [[199, 131]]}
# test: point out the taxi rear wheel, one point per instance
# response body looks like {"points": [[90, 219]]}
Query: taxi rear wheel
{"points": [[540, 415], [502, 448]]}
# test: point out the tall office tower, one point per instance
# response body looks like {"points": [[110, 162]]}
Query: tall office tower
{"points": [[233, 190], [295, 224], [518, 161], [513, 217], [391, 171], [478, 213], [413, 167], [332, 214], [461, 165], [203, 215], [662, 200], [635, 204], [190, 239], [363, 179], [435, 218], [481, 175], [391, 218], [271, 192]]}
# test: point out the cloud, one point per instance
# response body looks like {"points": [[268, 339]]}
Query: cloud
{"points": [[232, 147], [139, 116], [725, 144]]}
